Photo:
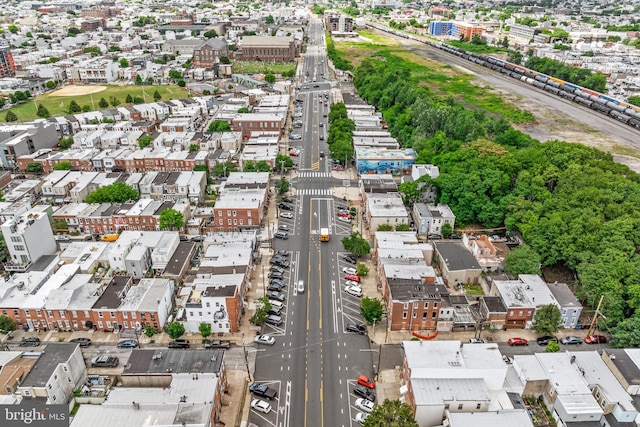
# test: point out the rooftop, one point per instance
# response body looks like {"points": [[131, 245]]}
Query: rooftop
{"points": [[167, 361], [52, 355]]}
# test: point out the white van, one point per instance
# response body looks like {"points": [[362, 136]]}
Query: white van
{"points": [[300, 286], [276, 304]]}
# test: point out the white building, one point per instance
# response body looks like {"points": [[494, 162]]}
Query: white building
{"points": [[28, 237]]}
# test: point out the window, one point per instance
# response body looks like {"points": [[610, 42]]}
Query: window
{"points": [[424, 315], [405, 305], [415, 314], [446, 406], [18, 247], [124, 315], [234, 213], [460, 407], [404, 315], [133, 315], [208, 304], [200, 313], [478, 406], [100, 314], [16, 239]]}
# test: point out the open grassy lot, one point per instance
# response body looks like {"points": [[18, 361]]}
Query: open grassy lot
{"points": [[444, 80], [243, 67], [59, 105]]}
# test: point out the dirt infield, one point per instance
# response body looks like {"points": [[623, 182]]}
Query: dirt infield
{"points": [[74, 90]]}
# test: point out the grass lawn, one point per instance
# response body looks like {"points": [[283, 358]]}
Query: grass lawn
{"points": [[473, 290], [262, 67], [58, 105]]}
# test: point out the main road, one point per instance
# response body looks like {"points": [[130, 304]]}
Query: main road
{"points": [[314, 362]]}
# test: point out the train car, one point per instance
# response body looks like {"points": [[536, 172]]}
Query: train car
{"points": [[539, 85], [519, 69], [567, 95], [553, 84], [634, 122], [556, 80], [572, 86], [553, 90], [542, 78], [619, 116], [609, 99]]}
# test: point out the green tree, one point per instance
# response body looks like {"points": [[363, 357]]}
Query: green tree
{"points": [[7, 324], [156, 96], [522, 260], [219, 126], [103, 103], [263, 166], [546, 321], [371, 309], [74, 107], [269, 20], [118, 192], [270, 78], [225, 60], [62, 166], [385, 227], [446, 230], [12, 28], [283, 162], [150, 331], [11, 116], [262, 309], [65, 143], [50, 84], [138, 79], [210, 34], [392, 413], [362, 268], [114, 101], [182, 83], [171, 219], [243, 110], [634, 99], [224, 169], [193, 148], [42, 111], [124, 63], [356, 244], [403, 227], [205, 329], [552, 347], [59, 225], [175, 330], [145, 141], [249, 166], [626, 334], [282, 186], [129, 99], [86, 108], [34, 167]]}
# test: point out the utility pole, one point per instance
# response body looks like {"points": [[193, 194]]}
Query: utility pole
{"points": [[595, 317]]}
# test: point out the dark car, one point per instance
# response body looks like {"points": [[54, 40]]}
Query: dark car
{"points": [[30, 341], [287, 199], [285, 206], [279, 262], [104, 361], [546, 339], [358, 328], [275, 295], [82, 342], [128, 344], [274, 287], [197, 239], [179, 344], [217, 344], [263, 390], [364, 392], [350, 259], [275, 275], [184, 238], [282, 253], [277, 269], [278, 282], [281, 235]]}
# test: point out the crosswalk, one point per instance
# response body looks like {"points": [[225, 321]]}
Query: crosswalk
{"points": [[315, 192], [303, 174]]}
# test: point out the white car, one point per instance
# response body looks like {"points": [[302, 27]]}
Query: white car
{"points": [[360, 417], [343, 219], [349, 270], [364, 405], [352, 283], [287, 215], [264, 339], [261, 405], [353, 291]]}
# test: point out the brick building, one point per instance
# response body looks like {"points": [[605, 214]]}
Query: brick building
{"points": [[210, 52], [268, 49]]}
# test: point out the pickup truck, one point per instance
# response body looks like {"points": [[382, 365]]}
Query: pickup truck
{"points": [[217, 344], [263, 391], [105, 361]]}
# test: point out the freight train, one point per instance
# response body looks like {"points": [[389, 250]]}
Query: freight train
{"points": [[621, 111]]}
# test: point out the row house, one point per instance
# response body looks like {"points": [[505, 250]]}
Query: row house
{"points": [[216, 300], [249, 123], [239, 209]]}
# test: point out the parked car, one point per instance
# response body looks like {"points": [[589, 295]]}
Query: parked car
{"points": [[571, 340], [217, 344], [274, 268], [275, 275], [366, 381], [179, 344], [477, 341], [286, 206], [349, 258], [517, 341], [197, 239], [264, 339], [358, 328], [351, 283], [128, 344], [274, 287], [360, 417], [287, 199], [349, 270], [82, 342], [355, 291], [364, 405], [273, 319], [287, 215], [279, 262], [278, 282], [364, 392], [281, 235], [278, 296], [30, 342], [596, 339], [260, 405], [544, 340], [344, 219], [344, 214], [283, 227], [263, 390], [295, 136], [353, 277], [104, 361]]}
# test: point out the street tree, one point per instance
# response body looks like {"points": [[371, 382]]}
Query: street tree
{"points": [[363, 270], [546, 321], [446, 230], [392, 413], [262, 309], [356, 244], [205, 329], [522, 260], [118, 192], [34, 167], [283, 162], [371, 309], [175, 330], [552, 347], [171, 219], [7, 324], [282, 186]]}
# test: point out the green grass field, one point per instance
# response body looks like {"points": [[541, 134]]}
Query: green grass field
{"points": [[58, 105], [242, 67]]}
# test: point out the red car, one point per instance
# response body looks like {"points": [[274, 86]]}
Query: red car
{"points": [[344, 214], [366, 381], [353, 277], [595, 339], [518, 341]]}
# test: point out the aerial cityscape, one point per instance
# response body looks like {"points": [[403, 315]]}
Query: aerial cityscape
{"points": [[300, 214]]}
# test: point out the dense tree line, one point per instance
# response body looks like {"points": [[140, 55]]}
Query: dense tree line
{"points": [[580, 76], [573, 205]]}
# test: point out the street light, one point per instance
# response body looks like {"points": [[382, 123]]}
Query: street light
{"points": [[246, 362]]}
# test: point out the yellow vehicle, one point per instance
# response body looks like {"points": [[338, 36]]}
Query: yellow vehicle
{"points": [[110, 237], [324, 234]]}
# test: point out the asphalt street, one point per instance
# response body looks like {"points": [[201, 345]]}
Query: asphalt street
{"points": [[314, 363]]}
